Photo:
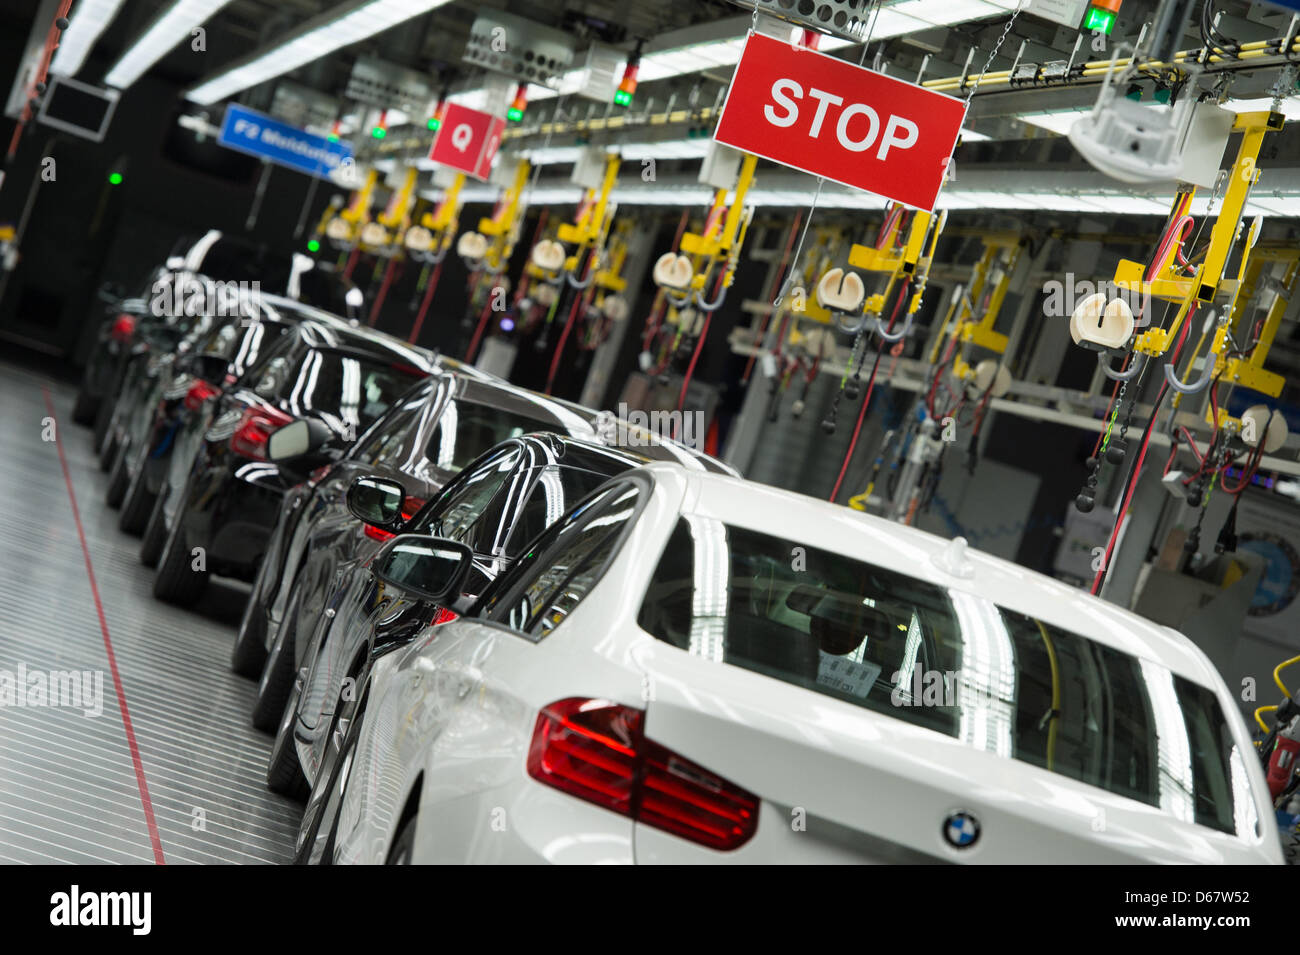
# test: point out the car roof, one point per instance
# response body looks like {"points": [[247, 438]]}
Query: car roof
{"points": [[502, 394], [836, 528], [318, 329]]}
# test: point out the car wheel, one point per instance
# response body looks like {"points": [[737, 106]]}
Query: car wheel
{"points": [[284, 773], [249, 655], [119, 476], [277, 673], [322, 812], [400, 851], [138, 503], [155, 532], [177, 581], [83, 412]]}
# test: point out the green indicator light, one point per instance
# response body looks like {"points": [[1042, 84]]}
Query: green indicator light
{"points": [[1099, 20], [313, 246], [434, 123], [115, 178], [514, 115], [622, 98], [379, 132], [332, 138]]}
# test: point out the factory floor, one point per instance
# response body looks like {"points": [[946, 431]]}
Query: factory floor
{"points": [[124, 737]]}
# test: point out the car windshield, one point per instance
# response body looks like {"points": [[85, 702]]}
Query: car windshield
{"points": [[466, 429], [952, 662]]}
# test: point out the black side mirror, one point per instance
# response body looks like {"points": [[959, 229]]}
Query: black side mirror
{"points": [[429, 568], [376, 501], [296, 439]]}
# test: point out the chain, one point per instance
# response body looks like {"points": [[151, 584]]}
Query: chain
{"points": [[1119, 403], [997, 46], [753, 21]]}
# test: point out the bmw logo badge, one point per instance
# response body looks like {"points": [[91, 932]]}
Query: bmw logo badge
{"points": [[961, 830]]}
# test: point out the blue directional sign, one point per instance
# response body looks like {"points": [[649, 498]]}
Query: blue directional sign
{"points": [[259, 135]]}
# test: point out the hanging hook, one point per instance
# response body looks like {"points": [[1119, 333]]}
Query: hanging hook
{"points": [[894, 336], [574, 283], [1133, 372], [1207, 373], [675, 301], [846, 328], [710, 306]]}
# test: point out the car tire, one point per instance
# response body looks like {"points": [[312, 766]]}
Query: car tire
{"points": [[276, 682], [284, 773], [85, 408], [155, 531], [331, 783], [119, 476], [249, 655], [138, 503], [177, 581], [399, 853]]}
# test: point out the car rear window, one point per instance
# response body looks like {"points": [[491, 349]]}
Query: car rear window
{"points": [[356, 388], [952, 662], [466, 429]]}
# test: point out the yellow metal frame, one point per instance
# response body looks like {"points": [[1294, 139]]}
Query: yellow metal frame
{"points": [[502, 226], [1001, 250]]}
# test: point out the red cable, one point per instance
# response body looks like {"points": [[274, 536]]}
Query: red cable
{"points": [[478, 332], [699, 343], [383, 291], [424, 304], [564, 335]]}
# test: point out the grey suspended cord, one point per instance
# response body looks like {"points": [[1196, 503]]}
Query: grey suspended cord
{"points": [[798, 250]]}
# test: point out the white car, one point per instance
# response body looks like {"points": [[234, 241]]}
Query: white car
{"points": [[693, 668]]}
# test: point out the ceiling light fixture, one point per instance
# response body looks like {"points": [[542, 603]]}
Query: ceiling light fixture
{"points": [[332, 30], [174, 24], [87, 22]]}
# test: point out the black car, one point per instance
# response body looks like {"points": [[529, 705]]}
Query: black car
{"points": [[336, 377], [170, 426], [495, 506], [170, 296], [442, 425]]}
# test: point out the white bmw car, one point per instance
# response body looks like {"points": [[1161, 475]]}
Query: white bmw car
{"points": [[693, 668]]}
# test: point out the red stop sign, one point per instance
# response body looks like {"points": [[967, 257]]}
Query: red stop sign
{"points": [[855, 126], [467, 140]]}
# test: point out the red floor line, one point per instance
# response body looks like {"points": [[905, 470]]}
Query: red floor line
{"points": [[145, 801]]}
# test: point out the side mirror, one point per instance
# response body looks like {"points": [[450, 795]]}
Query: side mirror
{"points": [[376, 501], [430, 568], [296, 439]]}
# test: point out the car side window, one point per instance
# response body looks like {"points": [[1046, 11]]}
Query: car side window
{"points": [[384, 442], [564, 564], [458, 513]]}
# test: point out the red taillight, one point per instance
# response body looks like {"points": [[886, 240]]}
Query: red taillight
{"points": [[596, 750], [249, 439], [123, 328], [443, 615], [200, 392], [409, 508]]}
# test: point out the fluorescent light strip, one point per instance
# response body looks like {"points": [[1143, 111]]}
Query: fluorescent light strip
{"points": [[637, 194], [177, 24], [357, 24], [89, 19]]}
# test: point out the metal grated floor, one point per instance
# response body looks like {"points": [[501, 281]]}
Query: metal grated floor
{"points": [[73, 788]]}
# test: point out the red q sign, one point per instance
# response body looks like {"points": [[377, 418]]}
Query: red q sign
{"points": [[467, 140], [824, 116]]}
